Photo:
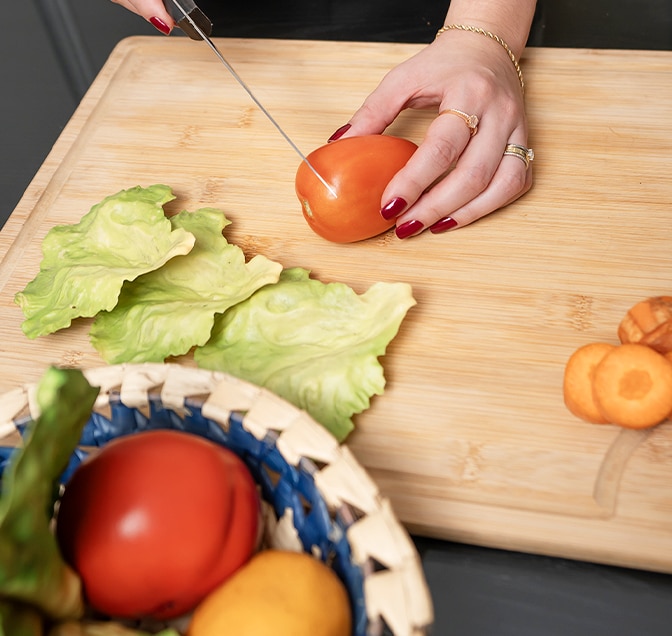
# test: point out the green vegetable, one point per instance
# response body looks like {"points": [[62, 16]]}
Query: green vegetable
{"points": [[314, 344], [168, 311], [102, 628], [84, 265], [32, 571], [17, 619], [161, 287]]}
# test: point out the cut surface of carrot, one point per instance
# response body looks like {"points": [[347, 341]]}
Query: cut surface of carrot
{"points": [[632, 386], [649, 322], [578, 381], [668, 356]]}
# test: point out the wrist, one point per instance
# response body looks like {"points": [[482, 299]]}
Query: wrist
{"points": [[510, 21], [470, 28]]}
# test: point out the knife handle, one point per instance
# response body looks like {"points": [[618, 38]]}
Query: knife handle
{"points": [[180, 9]]}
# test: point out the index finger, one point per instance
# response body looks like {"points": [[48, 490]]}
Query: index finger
{"points": [[379, 109], [151, 10]]}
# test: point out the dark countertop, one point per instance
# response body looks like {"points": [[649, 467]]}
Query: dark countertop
{"points": [[476, 591], [616, 24]]}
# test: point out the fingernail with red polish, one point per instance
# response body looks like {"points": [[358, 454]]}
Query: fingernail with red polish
{"points": [[159, 24], [394, 208], [408, 229], [443, 225], [340, 132]]}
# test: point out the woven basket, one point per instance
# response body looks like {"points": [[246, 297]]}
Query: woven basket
{"points": [[318, 498]]}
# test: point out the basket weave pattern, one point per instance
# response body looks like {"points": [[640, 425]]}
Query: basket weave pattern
{"points": [[318, 498]]}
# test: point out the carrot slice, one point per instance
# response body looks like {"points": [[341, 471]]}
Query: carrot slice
{"points": [[668, 356], [578, 381], [632, 386], [649, 322]]}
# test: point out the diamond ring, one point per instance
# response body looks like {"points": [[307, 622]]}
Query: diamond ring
{"points": [[470, 120], [524, 154]]}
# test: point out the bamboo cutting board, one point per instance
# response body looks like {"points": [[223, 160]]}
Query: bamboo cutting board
{"points": [[471, 440]]}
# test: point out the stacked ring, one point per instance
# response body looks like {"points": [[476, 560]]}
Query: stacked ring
{"points": [[524, 154], [470, 120]]}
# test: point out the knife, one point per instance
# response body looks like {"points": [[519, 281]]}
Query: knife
{"points": [[198, 27]]}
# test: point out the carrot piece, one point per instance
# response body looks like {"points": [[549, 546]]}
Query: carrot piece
{"points": [[632, 386], [649, 322], [668, 356], [578, 381]]}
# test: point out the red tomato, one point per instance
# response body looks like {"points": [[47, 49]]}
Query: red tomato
{"points": [[157, 520], [358, 169]]}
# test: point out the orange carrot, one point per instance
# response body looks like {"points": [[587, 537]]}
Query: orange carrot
{"points": [[632, 386], [649, 322], [578, 381], [668, 356]]}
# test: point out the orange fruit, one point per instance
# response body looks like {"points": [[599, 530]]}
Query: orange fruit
{"points": [[277, 592]]}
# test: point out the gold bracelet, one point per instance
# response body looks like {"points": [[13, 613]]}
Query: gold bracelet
{"points": [[492, 36]]}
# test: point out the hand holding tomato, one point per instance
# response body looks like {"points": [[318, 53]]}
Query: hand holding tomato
{"points": [[157, 520], [472, 73]]}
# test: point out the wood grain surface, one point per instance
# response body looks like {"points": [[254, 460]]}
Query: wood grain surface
{"points": [[471, 440]]}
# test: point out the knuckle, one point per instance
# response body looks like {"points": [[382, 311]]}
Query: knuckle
{"points": [[408, 182], [443, 152], [371, 115], [515, 183], [482, 86], [477, 176]]}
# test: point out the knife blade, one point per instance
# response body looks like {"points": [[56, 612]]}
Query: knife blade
{"points": [[198, 27]]}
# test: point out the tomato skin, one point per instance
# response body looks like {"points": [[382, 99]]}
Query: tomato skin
{"points": [[157, 520], [358, 169]]}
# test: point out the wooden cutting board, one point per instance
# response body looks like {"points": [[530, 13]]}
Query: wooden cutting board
{"points": [[471, 440]]}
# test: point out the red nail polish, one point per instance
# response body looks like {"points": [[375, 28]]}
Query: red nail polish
{"points": [[443, 225], [159, 24], [340, 132], [394, 208], [408, 229]]}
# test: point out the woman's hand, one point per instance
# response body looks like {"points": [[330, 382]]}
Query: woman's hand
{"points": [[472, 74], [152, 10]]}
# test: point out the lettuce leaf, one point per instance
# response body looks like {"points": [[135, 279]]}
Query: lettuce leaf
{"points": [[84, 265], [314, 344], [168, 311]]}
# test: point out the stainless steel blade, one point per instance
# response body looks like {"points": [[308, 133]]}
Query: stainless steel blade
{"points": [[186, 12]]}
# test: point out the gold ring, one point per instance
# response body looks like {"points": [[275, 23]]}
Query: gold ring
{"points": [[470, 120], [524, 154]]}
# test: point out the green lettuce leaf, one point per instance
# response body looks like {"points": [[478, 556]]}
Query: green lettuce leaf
{"points": [[168, 311], [85, 265], [314, 344], [32, 571]]}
